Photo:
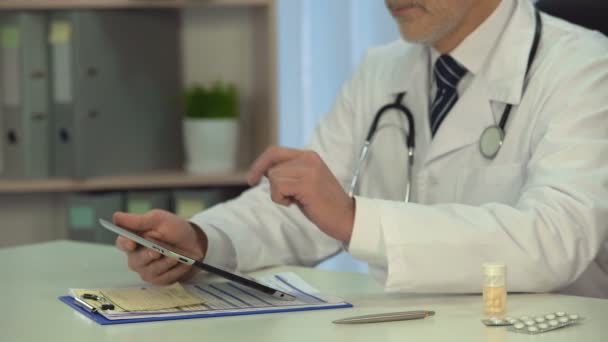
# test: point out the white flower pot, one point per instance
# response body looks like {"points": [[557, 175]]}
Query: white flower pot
{"points": [[211, 145]]}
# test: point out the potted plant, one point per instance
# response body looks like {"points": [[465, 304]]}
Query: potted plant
{"points": [[211, 128]]}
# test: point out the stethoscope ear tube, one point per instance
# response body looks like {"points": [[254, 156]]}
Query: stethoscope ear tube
{"points": [[410, 168], [410, 141], [362, 156]]}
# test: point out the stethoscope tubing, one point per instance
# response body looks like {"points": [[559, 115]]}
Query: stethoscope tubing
{"points": [[410, 142]]}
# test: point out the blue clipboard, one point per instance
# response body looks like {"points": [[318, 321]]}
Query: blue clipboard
{"points": [[101, 320]]}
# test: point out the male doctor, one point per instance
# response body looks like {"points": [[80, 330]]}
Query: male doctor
{"points": [[540, 205]]}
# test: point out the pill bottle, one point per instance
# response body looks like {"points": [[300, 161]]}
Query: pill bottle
{"points": [[494, 290]]}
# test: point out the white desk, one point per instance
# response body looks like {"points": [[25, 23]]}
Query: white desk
{"points": [[34, 276]]}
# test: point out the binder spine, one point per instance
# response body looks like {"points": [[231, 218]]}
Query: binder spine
{"points": [[11, 86], [36, 103], [63, 66]]}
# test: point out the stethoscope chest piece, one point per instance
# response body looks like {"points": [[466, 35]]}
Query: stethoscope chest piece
{"points": [[491, 141]]}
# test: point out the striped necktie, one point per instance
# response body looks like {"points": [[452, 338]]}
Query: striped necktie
{"points": [[448, 74]]}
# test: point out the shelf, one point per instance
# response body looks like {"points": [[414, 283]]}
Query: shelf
{"points": [[132, 182], [100, 4]]}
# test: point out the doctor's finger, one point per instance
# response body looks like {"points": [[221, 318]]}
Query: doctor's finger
{"points": [[284, 191], [293, 169], [140, 258], [125, 244], [156, 268], [172, 275], [134, 222], [271, 157]]}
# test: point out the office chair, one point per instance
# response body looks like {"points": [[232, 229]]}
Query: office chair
{"points": [[587, 13]]}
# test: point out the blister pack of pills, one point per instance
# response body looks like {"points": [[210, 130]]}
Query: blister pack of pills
{"points": [[535, 324], [499, 322]]}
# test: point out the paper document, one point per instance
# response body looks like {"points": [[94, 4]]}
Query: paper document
{"points": [[211, 299], [142, 298]]}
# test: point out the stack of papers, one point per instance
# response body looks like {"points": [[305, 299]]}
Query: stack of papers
{"points": [[202, 300]]}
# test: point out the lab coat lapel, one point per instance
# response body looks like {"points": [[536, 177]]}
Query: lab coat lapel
{"points": [[465, 122], [501, 80]]}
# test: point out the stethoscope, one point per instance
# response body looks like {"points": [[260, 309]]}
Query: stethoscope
{"points": [[490, 141]]}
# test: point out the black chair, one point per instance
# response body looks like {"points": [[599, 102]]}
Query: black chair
{"points": [[592, 14]]}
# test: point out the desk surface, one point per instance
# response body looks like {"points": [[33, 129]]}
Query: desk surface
{"points": [[34, 276]]}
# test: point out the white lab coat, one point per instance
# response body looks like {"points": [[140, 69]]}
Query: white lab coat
{"points": [[541, 206]]}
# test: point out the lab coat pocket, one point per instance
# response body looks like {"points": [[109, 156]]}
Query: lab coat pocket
{"points": [[499, 184]]}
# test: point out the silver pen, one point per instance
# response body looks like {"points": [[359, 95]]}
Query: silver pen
{"points": [[386, 317]]}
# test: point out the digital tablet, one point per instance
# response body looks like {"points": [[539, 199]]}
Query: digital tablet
{"points": [[171, 253]]}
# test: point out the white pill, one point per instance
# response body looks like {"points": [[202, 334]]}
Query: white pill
{"points": [[563, 319], [560, 314], [539, 319], [511, 320], [543, 326], [550, 316], [573, 317], [519, 326], [553, 323], [532, 329], [529, 322]]}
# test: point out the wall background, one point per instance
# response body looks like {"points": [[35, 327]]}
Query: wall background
{"points": [[320, 44]]}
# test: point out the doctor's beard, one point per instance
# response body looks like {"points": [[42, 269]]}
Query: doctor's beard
{"points": [[432, 20]]}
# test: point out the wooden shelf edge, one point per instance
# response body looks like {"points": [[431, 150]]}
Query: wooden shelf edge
{"points": [[118, 4], [124, 183]]}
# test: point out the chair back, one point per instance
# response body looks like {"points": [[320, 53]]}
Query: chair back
{"points": [[592, 14]]}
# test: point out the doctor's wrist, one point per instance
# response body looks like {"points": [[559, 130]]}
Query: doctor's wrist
{"points": [[348, 221], [202, 242]]}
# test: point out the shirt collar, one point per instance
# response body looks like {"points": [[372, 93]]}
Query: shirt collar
{"points": [[474, 52], [502, 69]]}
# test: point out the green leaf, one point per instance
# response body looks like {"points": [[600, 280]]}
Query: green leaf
{"points": [[219, 101]]}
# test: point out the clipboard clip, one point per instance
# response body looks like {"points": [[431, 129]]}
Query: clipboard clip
{"points": [[90, 308], [83, 304]]}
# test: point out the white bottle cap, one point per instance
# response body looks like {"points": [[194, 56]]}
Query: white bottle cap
{"points": [[493, 268], [494, 274]]}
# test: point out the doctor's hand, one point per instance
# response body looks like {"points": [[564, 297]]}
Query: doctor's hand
{"points": [[167, 228], [302, 178]]}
